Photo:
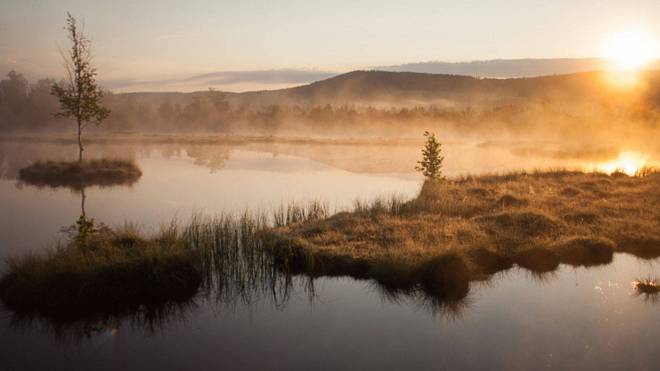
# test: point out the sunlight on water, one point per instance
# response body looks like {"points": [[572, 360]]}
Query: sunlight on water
{"points": [[628, 162]]}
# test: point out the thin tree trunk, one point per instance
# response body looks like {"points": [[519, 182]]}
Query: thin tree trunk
{"points": [[83, 197], [80, 146]]}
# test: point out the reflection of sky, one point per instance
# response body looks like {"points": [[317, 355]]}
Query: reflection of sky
{"points": [[176, 187]]}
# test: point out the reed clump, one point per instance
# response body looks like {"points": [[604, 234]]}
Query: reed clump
{"points": [[648, 286], [98, 267], [102, 269], [648, 289]]}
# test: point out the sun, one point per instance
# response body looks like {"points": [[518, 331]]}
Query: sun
{"points": [[630, 50], [628, 162]]}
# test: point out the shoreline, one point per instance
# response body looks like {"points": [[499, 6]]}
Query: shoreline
{"points": [[112, 138], [453, 233]]}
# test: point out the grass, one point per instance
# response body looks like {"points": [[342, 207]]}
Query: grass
{"points": [[482, 225], [433, 246], [648, 289], [109, 269], [78, 175], [103, 270], [647, 286]]}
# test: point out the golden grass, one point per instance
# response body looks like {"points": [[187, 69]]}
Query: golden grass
{"points": [[454, 232], [488, 223]]}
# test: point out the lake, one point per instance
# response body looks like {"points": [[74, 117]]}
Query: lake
{"points": [[571, 318]]}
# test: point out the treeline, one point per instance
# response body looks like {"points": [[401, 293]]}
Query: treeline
{"points": [[27, 107]]}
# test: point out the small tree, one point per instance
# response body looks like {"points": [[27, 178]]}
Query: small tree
{"points": [[431, 163], [79, 95]]}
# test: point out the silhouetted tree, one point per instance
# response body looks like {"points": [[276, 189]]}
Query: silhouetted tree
{"points": [[13, 98], [431, 163], [79, 95]]}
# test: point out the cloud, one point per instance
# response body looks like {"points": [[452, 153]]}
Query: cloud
{"points": [[503, 67], [225, 80], [265, 77]]}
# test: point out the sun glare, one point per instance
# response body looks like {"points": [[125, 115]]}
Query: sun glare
{"points": [[630, 50], [627, 162]]}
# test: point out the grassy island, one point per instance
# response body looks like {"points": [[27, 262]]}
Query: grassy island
{"points": [[466, 229], [99, 268], [456, 231], [78, 175]]}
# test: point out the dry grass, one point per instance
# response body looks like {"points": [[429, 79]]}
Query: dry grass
{"points": [[109, 269], [535, 220], [648, 289], [103, 270], [78, 175], [452, 233]]}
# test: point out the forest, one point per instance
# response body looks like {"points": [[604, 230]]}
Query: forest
{"points": [[28, 107]]}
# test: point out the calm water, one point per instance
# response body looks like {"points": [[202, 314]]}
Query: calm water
{"points": [[581, 319]]}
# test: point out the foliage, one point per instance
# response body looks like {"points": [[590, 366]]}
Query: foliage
{"points": [[82, 230], [431, 163], [79, 95]]}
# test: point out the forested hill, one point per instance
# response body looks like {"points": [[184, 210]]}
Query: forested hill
{"points": [[359, 100], [399, 89]]}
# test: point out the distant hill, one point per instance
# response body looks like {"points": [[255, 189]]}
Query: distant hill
{"points": [[502, 68], [381, 88], [408, 88], [240, 81]]}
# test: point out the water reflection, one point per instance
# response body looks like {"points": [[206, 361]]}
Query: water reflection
{"points": [[548, 313], [463, 157], [238, 280]]}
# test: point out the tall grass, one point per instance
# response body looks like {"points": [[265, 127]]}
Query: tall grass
{"points": [[292, 213], [524, 219]]}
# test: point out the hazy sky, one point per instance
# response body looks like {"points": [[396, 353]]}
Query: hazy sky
{"points": [[161, 38]]}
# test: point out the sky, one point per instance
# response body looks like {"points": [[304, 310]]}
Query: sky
{"points": [[148, 39]]}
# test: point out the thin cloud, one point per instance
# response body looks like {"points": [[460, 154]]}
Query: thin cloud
{"points": [[227, 79]]}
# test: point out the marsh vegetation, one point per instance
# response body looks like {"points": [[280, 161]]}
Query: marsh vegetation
{"points": [[81, 174], [456, 231], [469, 228]]}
